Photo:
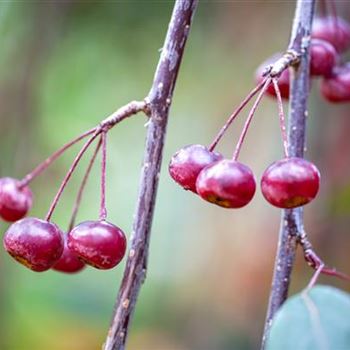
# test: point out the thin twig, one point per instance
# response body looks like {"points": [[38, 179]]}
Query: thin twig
{"points": [[82, 187], [69, 174], [42, 166], [235, 113], [250, 118], [159, 100], [281, 117], [120, 114], [103, 208], [292, 219]]}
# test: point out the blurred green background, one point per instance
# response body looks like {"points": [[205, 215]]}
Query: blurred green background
{"points": [[66, 65]]}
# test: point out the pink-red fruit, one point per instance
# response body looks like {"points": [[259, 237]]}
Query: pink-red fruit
{"points": [[337, 87], [226, 183], [15, 200], [335, 30], [323, 58], [187, 163], [35, 243], [290, 182], [98, 243], [68, 262], [283, 80]]}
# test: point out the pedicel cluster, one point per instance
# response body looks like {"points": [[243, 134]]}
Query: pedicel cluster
{"points": [[40, 244]]}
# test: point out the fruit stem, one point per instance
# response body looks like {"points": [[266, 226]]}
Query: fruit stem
{"points": [[281, 117], [47, 162], [103, 209], [82, 187], [249, 119], [120, 114], [70, 172], [235, 113]]}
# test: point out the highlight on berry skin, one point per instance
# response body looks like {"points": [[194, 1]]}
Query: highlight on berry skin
{"points": [[186, 164], [97, 243], [227, 183], [290, 183], [35, 243], [15, 200]]}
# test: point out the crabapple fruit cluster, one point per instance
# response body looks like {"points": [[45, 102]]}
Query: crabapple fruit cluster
{"points": [[40, 244], [288, 183], [330, 39]]}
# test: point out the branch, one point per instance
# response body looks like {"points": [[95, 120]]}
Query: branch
{"points": [[292, 219], [158, 103]]}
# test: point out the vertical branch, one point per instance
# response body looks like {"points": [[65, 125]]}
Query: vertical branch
{"points": [[158, 101], [292, 219]]}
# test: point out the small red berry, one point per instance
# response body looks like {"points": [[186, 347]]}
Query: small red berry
{"points": [[15, 201], [323, 58], [227, 183], [290, 182], [283, 80], [35, 243], [334, 30], [98, 243], [187, 163], [68, 262], [337, 87]]}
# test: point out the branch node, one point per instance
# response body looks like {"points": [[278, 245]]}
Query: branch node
{"points": [[290, 58]]}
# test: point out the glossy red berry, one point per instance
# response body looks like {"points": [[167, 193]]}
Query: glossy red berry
{"points": [[323, 58], [290, 182], [337, 87], [15, 201], [283, 80], [35, 243], [68, 261], [334, 30], [187, 163], [227, 183], [98, 243]]}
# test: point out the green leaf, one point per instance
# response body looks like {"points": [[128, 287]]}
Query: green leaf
{"points": [[316, 320]]}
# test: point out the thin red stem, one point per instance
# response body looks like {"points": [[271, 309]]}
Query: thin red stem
{"points": [[281, 117], [70, 172], [235, 113], [249, 119], [333, 272], [47, 162], [82, 187], [103, 209]]}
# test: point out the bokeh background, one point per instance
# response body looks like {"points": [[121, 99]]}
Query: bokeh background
{"points": [[64, 66]]}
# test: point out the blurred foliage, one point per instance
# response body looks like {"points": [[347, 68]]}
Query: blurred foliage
{"points": [[64, 66]]}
